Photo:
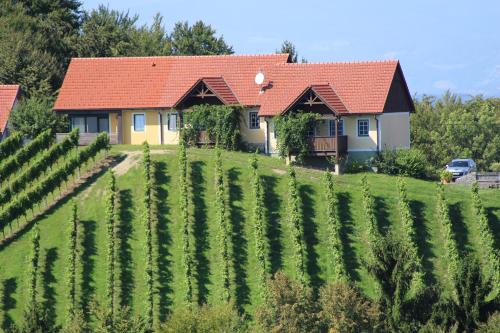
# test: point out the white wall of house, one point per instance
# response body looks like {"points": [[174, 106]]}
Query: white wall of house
{"points": [[394, 130]]}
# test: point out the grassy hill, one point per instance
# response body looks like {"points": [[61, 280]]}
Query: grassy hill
{"points": [[54, 225]]}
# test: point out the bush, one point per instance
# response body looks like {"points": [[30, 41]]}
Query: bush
{"points": [[345, 309], [404, 162], [492, 325], [355, 167], [495, 167], [290, 307], [445, 176], [205, 319]]}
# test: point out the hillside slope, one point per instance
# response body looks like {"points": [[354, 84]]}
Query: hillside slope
{"points": [[53, 229]]}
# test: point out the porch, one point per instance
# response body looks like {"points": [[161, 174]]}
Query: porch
{"points": [[87, 138], [328, 145]]}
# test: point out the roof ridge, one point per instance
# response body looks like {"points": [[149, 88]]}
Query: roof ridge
{"points": [[188, 56], [340, 62], [3, 86]]}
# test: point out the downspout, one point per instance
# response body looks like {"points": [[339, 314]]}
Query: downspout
{"points": [[266, 138], [378, 133]]}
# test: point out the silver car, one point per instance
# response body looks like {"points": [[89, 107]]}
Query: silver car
{"points": [[460, 167]]}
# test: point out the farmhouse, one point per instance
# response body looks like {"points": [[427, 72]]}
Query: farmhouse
{"points": [[364, 106], [9, 94]]}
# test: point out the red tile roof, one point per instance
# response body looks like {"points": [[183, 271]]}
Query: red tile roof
{"points": [[327, 95], [218, 86], [160, 82], [8, 96]]}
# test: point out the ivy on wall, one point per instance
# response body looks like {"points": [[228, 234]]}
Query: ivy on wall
{"points": [[221, 122], [292, 130]]}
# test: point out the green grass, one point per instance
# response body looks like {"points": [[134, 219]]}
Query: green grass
{"points": [[53, 229]]}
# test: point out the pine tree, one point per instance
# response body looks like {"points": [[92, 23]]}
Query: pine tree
{"points": [[295, 221], [334, 237], [224, 234], [72, 260], [260, 226]]}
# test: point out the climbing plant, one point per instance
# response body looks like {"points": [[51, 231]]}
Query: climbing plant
{"points": [[372, 232], [34, 266], [260, 225], [146, 161], [292, 130], [72, 260], [334, 237], [222, 123], [295, 220], [224, 232], [111, 258]]}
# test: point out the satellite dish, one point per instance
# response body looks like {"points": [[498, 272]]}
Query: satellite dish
{"points": [[259, 78]]}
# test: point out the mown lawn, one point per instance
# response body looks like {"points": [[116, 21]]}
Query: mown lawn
{"points": [[171, 286]]}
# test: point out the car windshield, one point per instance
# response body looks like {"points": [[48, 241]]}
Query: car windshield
{"points": [[459, 164]]}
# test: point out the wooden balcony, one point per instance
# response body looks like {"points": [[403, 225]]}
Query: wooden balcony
{"points": [[86, 138], [327, 146]]}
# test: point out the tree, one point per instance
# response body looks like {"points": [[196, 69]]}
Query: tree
{"points": [[344, 309], [106, 33], [152, 40], [198, 39], [36, 42], [290, 307], [34, 115], [393, 267], [471, 304]]}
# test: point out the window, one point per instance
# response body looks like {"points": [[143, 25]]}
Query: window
{"points": [[78, 122], [331, 129], [172, 121], [363, 127], [253, 120], [90, 123], [139, 122]]}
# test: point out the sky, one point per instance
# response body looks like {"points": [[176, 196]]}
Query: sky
{"points": [[441, 44]]}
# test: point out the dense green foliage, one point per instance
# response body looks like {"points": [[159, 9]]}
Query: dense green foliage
{"points": [[34, 115], [448, 127], [372, 231], [292, 131], [443, 216], [111, 239], [260, 225], [16, 161], [10, 145], [295, 223], [32, 196], [405, 162], [72, 260], [149, 228], [184, 203], [334, 237], [486, 237], [408, 236], [39, 166], [38, 38], [221, 122], [224, 228]]}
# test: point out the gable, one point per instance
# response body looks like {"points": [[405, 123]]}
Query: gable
{"points": [[398, 97]]}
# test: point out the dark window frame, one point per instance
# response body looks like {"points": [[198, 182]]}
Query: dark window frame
{"points": [[144, 122], [85, 116], [255, 122], [363, 135]]}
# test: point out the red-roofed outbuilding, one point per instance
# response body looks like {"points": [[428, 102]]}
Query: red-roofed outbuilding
{"points": [[9, 94]]}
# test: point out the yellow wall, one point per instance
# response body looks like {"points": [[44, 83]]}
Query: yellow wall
{"points": [[169, 137], [252, 135], [356, 143], [151, 129], [113, 122], [394, 130]]}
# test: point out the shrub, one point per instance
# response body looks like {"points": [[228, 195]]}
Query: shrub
{"points": [[495, 167], [405, 162], [206, 319], [290, 307], [345, 309], [445, 176], [492, 325], [353, 166]]}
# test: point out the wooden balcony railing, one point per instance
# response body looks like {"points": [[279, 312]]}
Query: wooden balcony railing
{"points": [[328, 145], [86, 138]]}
